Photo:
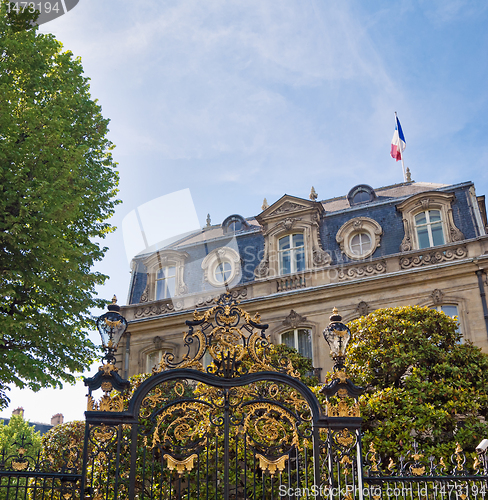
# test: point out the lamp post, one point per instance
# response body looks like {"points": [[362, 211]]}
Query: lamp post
{"points": [[337, 335], [111, 327]]}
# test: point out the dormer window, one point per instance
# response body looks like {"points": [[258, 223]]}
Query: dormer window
{"points": [[234, 223], [223, 272], [165, 274], [222, 267], [292, 243], [428, 225], [165, 282], [359, 237], [360, 244], [291, 251], [428, 221], [362, 193]]}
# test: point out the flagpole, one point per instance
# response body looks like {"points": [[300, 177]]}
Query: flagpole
{"points": [[400, 146]]}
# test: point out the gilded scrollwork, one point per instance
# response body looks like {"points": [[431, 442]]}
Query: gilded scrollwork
{"points": [[184, 423], [229, 334]]}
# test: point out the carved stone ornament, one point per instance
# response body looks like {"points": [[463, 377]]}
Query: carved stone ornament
{"points": [[262, 269], [293, 320], [456, 234], [154, 310], [406, 244], [288, 206], [433, 257], [144, 296], [437, 296], [158, 342], [288, 223], [321, 257], [362, 308], [356, 272]]}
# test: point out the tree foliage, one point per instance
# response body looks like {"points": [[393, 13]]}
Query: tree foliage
{"points": [[18, 434], [58, 183], [421, 382]]}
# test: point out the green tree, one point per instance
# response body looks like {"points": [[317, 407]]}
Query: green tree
{"points": [[19, 434], [57, 183], [421, 382]]}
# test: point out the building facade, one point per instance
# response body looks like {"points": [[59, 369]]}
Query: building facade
{"points": [[408, 244]]}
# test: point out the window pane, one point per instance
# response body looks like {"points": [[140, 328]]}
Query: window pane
{"points": [[284, 243], [434, 215], [170, 287], [160, 290], [360, 197], [300, 260], [288, 339], [360, 244], [420, 219], [298, 240], [423, 236], [285, 267], [222, 272], [451, 311], [437, 236], [305, 343]]}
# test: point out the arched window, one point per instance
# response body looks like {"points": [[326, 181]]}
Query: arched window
{"points": [[234, 223], [291, 253], [300, 339], [428, 225], [361, 193]]}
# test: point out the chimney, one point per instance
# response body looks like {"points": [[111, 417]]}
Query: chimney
{"points": [[57, 419], [18, 411]]}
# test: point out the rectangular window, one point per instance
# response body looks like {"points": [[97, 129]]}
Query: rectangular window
{"points": [[429, 229], [300, 339], [291, 252], [165, 282]]}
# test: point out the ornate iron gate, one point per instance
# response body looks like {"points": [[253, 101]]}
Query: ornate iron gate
{"points": [[244, 427]]}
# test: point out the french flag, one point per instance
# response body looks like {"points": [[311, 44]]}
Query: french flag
{"points": [[398, 143]]}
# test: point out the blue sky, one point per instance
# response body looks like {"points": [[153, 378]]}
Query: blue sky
{"points": [[241, 100]]}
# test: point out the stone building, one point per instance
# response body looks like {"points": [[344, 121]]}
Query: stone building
{"points": [[412, 243]]}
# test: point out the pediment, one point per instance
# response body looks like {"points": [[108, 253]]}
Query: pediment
{"points": [[287, 205]]}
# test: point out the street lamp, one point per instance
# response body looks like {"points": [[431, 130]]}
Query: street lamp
{"points": [[111, 327], [337, 335]]}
